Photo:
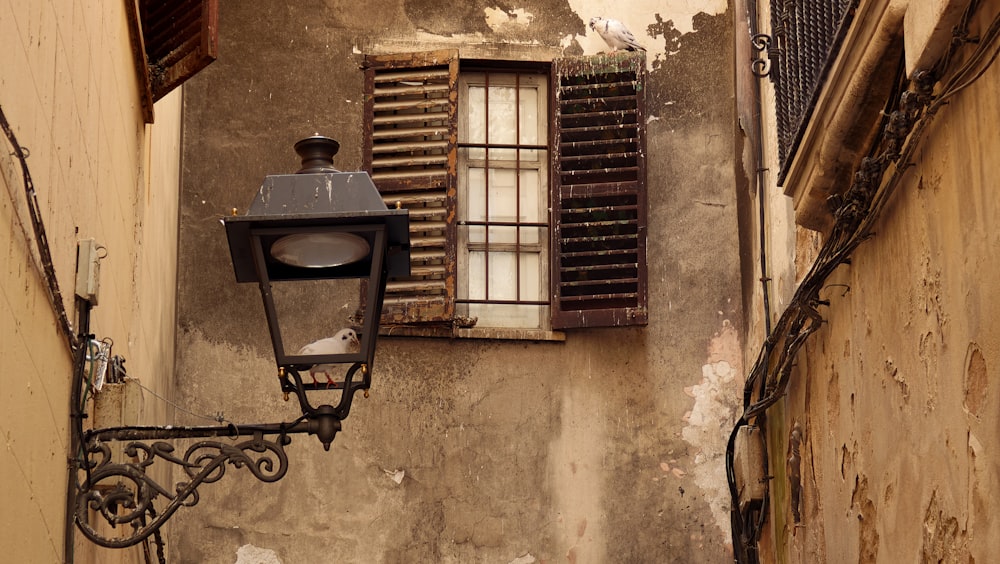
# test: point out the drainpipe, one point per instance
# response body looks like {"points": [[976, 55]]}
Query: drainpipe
{"points": [[76, 416]]}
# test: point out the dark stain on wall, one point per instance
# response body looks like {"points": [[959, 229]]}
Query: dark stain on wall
{"points": [[686, 82]]}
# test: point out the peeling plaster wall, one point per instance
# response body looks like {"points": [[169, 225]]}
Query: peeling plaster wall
{"points": [[585, 451], [895, 393]]}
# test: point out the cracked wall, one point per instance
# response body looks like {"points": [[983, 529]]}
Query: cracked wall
{"points": [[895, 393], [471, 450]]}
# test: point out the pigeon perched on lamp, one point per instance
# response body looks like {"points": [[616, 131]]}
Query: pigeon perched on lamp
{"points": [[344, 342], [615, 34]]}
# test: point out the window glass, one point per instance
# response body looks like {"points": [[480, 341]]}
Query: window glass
{"points": [[503, 193]]}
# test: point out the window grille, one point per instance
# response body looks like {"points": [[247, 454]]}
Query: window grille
{"points": [[808, 36], [503, 188]]}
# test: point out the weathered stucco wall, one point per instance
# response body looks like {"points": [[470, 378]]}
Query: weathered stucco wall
{"points": [[895, 395], [604, 448], [70, 93]]}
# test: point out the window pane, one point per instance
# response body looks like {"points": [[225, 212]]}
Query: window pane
{"points": [[504, 315], [503, 276], [477, 120], [530, 274], [507, 200], [529, 122], [502, 117], [506, 127]]}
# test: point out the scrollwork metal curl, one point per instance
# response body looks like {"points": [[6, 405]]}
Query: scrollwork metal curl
{"points": [[202, 459], [761, 66]]}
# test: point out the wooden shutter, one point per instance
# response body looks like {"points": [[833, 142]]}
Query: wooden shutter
{"points": [[181, 37], [411, 137], [599, 192]]}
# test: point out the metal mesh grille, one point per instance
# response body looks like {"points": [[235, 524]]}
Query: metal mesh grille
{"points": [[808, 34]]}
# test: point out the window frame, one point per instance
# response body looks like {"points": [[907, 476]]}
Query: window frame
{"points": [[479, 307]]}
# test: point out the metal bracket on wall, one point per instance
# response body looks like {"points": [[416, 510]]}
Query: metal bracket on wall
{"points": [[123, 493], [761, 66]]}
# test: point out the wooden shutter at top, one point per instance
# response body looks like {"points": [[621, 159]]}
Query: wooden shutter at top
{"points": [[598, 192], [411, 136], [180, 37]]}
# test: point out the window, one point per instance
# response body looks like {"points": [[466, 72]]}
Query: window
{"points": [[807, 38], [172, 42], [525, 185], [503, 199]]}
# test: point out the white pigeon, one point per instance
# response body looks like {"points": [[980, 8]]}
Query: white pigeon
{"points": [[615, 34], [345, 341]]}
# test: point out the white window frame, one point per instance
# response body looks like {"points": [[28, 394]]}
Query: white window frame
{"points": [[484, 290]]}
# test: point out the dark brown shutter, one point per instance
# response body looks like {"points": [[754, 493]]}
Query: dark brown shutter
{"points": [[411, 136], [599, 192], [181, 37]]}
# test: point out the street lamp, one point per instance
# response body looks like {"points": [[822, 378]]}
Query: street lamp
{"points": [[319, 234], [320, 224]]}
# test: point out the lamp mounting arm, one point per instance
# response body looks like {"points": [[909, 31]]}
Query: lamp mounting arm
{"points": [[124, 493]]}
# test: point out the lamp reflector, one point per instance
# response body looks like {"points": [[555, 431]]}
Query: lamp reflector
{"points": [[320, 250]]}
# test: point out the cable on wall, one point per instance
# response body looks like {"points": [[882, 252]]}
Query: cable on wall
{"points": [[41, 240]]}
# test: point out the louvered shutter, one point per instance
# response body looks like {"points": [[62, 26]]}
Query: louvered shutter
{"points": [[599, 192], [411, 135], [181, 37]]}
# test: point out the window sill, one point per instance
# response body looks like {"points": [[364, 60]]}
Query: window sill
{"points": [[510, 334], [846, 114], [496, 333]]}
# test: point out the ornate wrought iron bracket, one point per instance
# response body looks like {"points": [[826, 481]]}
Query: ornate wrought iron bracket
{"points": [[115, 500]]}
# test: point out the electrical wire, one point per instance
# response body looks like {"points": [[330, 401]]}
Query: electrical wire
{"points": [[77, 458], [41, 240], [218, 418]]}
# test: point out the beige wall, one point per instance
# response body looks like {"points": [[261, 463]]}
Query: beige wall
{"points": [[896, 394], [69, 90]]}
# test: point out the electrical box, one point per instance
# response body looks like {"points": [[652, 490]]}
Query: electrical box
{"points": [[748, 465], [88, 270]]}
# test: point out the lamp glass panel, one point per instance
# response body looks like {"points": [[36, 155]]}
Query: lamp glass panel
{"points": [[311, 314], [320, 250]]}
